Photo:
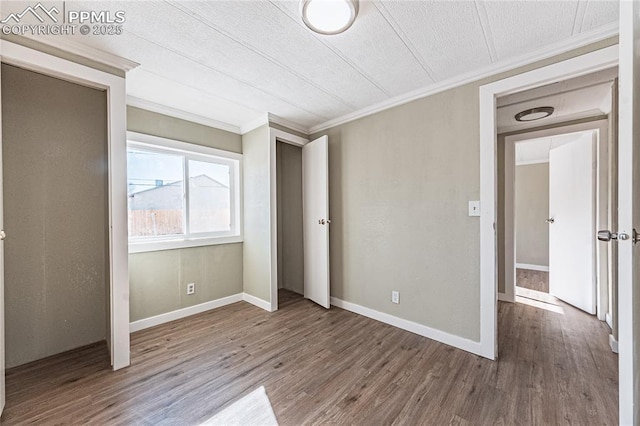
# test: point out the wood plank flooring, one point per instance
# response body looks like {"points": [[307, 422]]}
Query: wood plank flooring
{"points": [[329, 366], [533, 280]]}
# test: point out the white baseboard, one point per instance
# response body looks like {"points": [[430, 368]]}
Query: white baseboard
{"points": [[532, 267], [413, 327], [613, 343], [184, 312], [608, 320], [263, 304]]}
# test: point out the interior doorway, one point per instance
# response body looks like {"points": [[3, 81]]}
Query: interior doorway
{"points": [[583, 110], [56, 214], [597, 123], [299, 200], [290, 244], [116, 256], [555, 220]]}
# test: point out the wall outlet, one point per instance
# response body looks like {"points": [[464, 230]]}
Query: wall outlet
{"points": [[191, 288], [395, 297]]}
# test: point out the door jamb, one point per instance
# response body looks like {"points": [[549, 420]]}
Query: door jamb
{"points": [[117, 178], [275, 136]]}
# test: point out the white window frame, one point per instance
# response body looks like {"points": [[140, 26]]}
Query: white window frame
{"points": [[195, 152]]}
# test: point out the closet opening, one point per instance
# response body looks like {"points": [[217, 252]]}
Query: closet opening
{"points": [[289, 224], [56, 214]]}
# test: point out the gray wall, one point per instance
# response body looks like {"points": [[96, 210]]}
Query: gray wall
{"points": [[158, 279], [55, 214], [289, 196], [531, 211], [399, 184], [256, 153]]}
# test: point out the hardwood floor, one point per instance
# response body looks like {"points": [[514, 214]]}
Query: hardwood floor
{"points": [[533, 280], [329, 366]]}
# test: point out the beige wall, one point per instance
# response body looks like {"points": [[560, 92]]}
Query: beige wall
{"points": [[55, 214], [151, 123], [256, 153], [158, 279], [531, 211], [399, 184], [289, 198]]}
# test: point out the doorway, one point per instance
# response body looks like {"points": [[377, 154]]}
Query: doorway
{"points": [[555, 211], [290, 227], [581, 65], [56, 213], [117, 333], [307, 163]]}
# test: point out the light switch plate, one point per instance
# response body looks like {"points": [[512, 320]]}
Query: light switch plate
{"points": [[474, 208]]}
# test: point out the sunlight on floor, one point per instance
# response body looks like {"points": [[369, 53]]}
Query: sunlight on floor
{"points": [[538, 299], [252, 409]]}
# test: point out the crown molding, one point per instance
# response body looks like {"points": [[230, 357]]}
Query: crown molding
{"points": [[88, 52], [268, 118], [254, 124], [287, 123], [183, 115], [564, 46]]}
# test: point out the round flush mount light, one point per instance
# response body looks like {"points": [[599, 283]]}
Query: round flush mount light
{"points": [[534, 114], [328, 17]]}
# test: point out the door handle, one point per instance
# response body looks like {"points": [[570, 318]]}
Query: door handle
{"points": [[3, 235], [550, 220], [607, 236]]}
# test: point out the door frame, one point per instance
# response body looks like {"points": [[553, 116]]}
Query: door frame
{"points": [[14, 54], [575, 67], [601, 126], [276, 136]]}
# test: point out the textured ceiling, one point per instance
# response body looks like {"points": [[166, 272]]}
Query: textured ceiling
{"points": [[581, 97], [233, 61]]}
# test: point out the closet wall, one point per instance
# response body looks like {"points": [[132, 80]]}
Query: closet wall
{"points": [[54, 136], [289, 200]]}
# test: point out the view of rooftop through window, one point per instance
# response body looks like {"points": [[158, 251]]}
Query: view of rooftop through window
{"points": [[158, 204]]}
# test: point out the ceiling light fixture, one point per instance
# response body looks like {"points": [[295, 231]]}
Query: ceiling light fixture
{"points": [[534, 114], [328, 17]]}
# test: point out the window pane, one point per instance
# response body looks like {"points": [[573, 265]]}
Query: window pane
{"points": [[156, 193], [209, 197]]}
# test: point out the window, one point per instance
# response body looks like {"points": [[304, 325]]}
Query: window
{"points": [[181, 195]]}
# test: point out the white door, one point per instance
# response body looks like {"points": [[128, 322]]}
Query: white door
{"points": [[629, 213], [315, 218], [572, 223]]}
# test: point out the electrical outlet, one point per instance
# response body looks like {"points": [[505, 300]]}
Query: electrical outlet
{"points": [[191, 288], [395, 296]]}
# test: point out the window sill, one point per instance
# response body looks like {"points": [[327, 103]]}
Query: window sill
{"points": [[148, 246]]}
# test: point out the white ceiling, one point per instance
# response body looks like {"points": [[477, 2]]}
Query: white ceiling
{"points": [[581, 97], [534, 151], [233, 61]]}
